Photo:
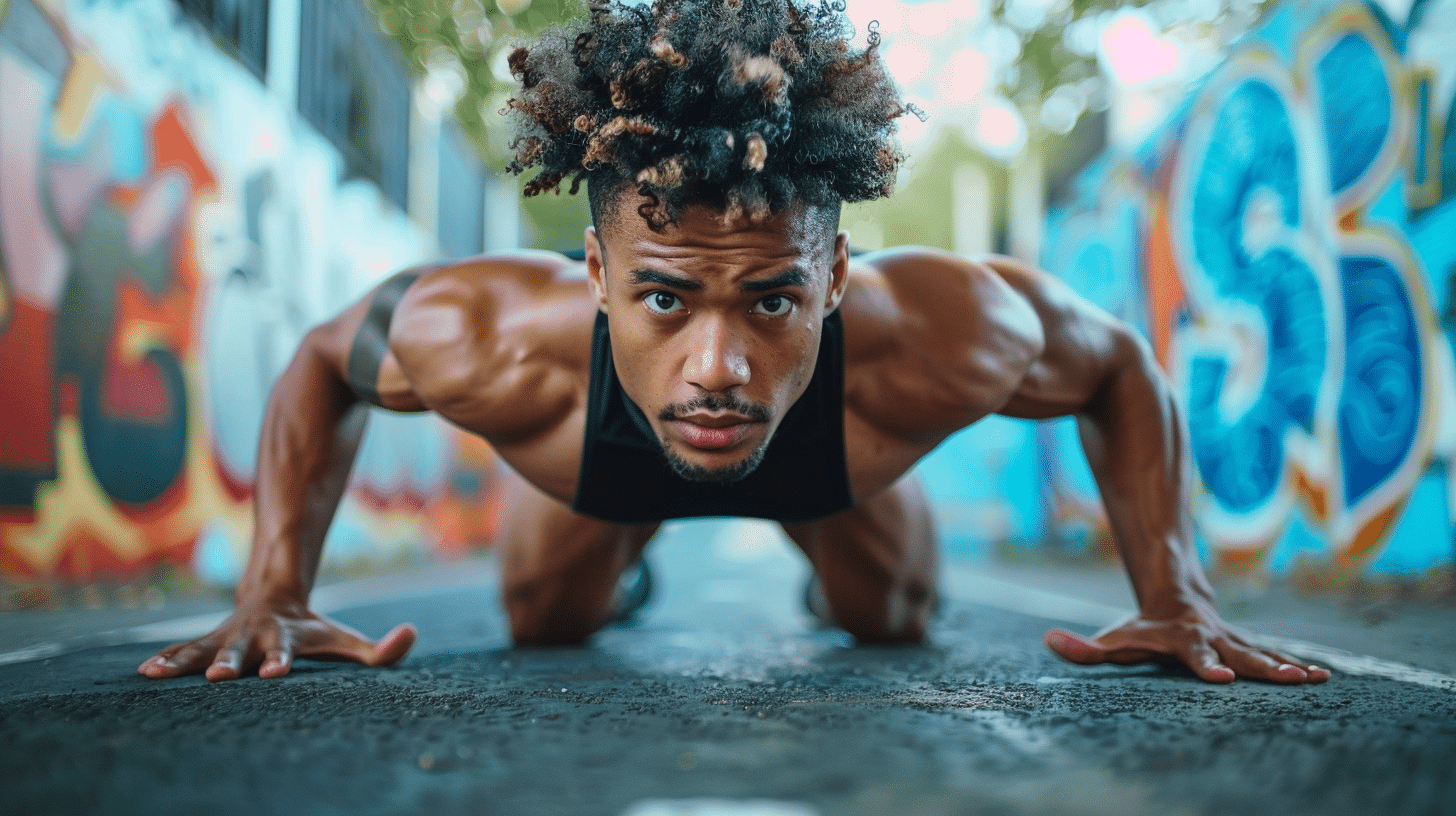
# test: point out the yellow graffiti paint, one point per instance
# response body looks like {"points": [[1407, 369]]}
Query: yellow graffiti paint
{"points": [[78, 91], [72, 507], [1423, 173]]}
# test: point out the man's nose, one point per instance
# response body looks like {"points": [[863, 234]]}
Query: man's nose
{"points": [[717, 360]]}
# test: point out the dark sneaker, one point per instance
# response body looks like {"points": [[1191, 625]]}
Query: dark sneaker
{"points": [[815, 603], [633, 590]]}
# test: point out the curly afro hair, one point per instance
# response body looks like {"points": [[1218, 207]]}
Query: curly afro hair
{"points": [[744, 105]]}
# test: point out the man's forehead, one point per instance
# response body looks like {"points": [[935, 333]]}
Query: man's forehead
{"points": [[796, 234]]}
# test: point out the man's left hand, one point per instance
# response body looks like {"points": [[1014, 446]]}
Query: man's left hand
{"points": [[1198, 639]]}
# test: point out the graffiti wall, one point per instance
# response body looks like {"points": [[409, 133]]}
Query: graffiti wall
{"points": [[1288, 243], [169, 229]]}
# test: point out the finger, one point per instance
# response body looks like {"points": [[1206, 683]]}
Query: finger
{"points": [[332, 641], [1313, 672], [160, 663], [1079, 649], [278, 661], [1271, 666], [394, 646], [158, 667], [168, 652], [1257, 664], [1073, 647], [1270, 660], [228, 664], [1205, 662], [187, 657]]}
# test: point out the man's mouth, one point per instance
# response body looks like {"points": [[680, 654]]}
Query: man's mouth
{"points": [[714, 422], [713, 431]]}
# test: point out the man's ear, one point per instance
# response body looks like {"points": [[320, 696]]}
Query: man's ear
{"points": [[596, 270], [838, 272]]}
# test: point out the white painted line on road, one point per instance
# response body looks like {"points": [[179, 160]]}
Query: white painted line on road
{"points": [[968, 585], [176, 629], [1351, 663], [325, 600], [39, 651]]}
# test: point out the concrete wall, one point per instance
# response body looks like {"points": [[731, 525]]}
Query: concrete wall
{"points": [[169, 229], [1288, 243]]}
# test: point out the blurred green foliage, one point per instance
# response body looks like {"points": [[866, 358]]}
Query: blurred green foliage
{"points": [[1056, 46], [1052, 46], [458, 48], [461, 47], [1050, 55], [1048, 66]]}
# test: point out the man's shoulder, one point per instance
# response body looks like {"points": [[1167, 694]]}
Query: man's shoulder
{"points": [[479, 333], [932, 340], [489, 280], [912, 290], [487, 297]]}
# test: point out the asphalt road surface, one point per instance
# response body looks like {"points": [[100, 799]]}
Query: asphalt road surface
{"points": [[721, 699]]}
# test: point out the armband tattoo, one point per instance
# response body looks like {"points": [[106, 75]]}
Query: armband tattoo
{"points": [[372, 341]]}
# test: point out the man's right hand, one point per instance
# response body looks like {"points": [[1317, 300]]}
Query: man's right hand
{"points": [[269, 637]]}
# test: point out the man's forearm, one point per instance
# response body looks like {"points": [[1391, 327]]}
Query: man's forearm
{"points": [[1137, 447], [310, 435]]}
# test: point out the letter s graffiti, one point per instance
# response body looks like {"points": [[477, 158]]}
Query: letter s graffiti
{"points": [[1302, 361]]}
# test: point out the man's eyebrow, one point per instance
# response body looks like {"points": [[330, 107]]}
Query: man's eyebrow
{"points": [[648, 276], [793, 276]]}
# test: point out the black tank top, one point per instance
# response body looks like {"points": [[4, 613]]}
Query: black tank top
{"points": [[625, 477]]}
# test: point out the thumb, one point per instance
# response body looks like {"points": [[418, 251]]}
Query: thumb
{"points": [[1075, 648], [394, 646], [333, 641]]}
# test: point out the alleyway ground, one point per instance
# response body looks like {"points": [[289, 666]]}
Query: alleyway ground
{"points": [[723, 699]]}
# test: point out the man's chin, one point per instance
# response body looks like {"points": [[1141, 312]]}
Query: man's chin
{"points": [[725, 475]]}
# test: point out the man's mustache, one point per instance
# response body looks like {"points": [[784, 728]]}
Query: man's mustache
{"points": [[715, 402]]}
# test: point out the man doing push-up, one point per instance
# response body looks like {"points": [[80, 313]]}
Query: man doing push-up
{"points": [[722, 355]]}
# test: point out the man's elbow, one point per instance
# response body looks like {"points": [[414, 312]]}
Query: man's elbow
{"points": [[1131, 379], [1132, 355]]}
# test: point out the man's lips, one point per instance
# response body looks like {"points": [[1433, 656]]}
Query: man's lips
{"points": [[713, 431]]}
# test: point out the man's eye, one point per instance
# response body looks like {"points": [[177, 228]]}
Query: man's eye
{"points": [[663, 303], [774, 306]]}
